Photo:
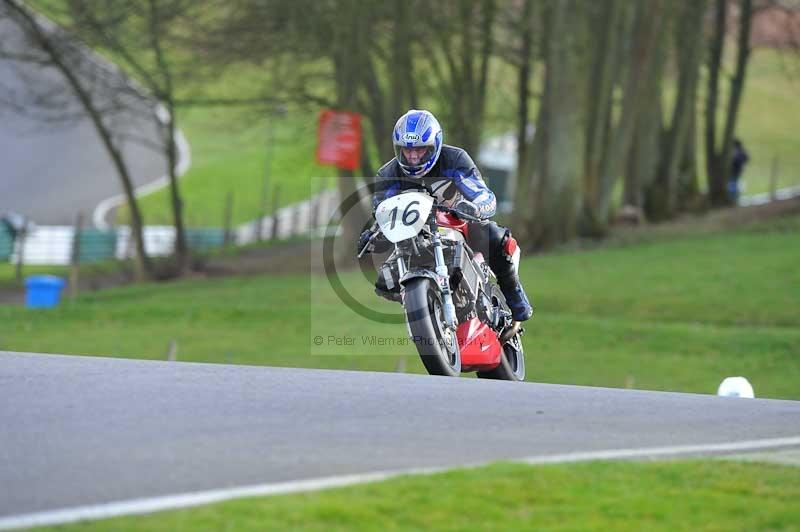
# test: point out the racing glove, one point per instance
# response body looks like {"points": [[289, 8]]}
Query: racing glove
{"points": [[363, 241], [379, 244], [467, 207]]}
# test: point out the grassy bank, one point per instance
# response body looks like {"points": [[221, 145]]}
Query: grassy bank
{"points": [[230, 155], [679, 314], [685, 495]]}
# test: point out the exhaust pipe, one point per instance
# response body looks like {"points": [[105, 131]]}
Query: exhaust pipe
{"points": [[509, 333]]}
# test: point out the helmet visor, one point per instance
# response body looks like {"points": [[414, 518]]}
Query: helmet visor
{"points": [[415, 156]]}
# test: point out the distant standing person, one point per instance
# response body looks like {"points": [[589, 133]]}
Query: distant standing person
{"points": [[739, 158]]}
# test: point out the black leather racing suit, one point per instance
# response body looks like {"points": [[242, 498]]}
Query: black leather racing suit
{"points": [[455, 178]]}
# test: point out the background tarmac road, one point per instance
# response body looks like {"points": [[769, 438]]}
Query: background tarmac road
{"points": [[87, 430], [50, 171]]}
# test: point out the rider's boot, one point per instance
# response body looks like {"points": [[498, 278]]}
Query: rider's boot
{"points": [[521, 309], [507, 279]]}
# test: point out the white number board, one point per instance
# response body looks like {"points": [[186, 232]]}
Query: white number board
{"points": [[402, 216]]}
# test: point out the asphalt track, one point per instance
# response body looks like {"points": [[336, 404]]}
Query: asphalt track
{"points": [[52, 170], [79, 431]]}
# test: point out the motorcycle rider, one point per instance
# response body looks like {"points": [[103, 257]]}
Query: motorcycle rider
{"points": [[421, 157]]}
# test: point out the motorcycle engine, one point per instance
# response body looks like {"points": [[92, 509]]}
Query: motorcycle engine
{"points": [[485, 310]]}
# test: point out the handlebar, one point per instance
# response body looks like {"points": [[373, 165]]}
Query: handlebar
{"points": [[457, 213], [373, 236]]}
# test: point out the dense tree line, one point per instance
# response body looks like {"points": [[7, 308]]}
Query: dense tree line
{"points": [[613, 87], [597, 73]]}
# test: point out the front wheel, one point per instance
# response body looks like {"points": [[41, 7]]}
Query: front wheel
{"points": [[436, 344]]}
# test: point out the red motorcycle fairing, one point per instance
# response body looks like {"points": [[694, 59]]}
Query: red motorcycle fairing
{"points": [[479, 345], [445, 219]]}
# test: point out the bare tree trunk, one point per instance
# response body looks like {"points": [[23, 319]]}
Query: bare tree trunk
{"points": [[718, 158], [376, 107], [381, 104], [663, 197], [402, 73], [523, 82], [643, 157], [181, 246], [737, 83], [717, 190], [607, 20], [367, 167], [560, 135], [460, 70], [647, 29], [349, 59], [689, 197], [167, 94], [478, 100]]}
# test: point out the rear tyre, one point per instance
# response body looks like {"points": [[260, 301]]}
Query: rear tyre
{"points": [[512, 363], [436, 344]]}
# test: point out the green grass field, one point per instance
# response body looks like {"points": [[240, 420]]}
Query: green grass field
{"points": [[230, 156], [670, 496], [679, 314]]}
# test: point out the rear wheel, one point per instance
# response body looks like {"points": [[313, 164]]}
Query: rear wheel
{"points": [[436, 344], [512, 362]]}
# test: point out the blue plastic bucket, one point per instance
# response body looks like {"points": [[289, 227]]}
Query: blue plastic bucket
{"points": [[43, 291]]}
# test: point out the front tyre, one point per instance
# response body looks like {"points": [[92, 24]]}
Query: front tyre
{"points": [[436, 344]]}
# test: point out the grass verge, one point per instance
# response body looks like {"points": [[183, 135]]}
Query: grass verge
{"points": [[680, 495]]}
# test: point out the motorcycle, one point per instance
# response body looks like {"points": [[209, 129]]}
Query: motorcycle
{"points": [[455, 312]]}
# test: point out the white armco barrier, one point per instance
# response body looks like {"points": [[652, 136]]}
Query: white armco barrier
{"points": [[52, 245], [295, 219], [45, 245]]}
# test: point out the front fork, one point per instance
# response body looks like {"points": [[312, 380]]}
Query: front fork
{"points": [[443, 279], [444, 283]]}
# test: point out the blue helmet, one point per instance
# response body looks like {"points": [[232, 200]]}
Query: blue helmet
{"points": [[417, 129]]}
